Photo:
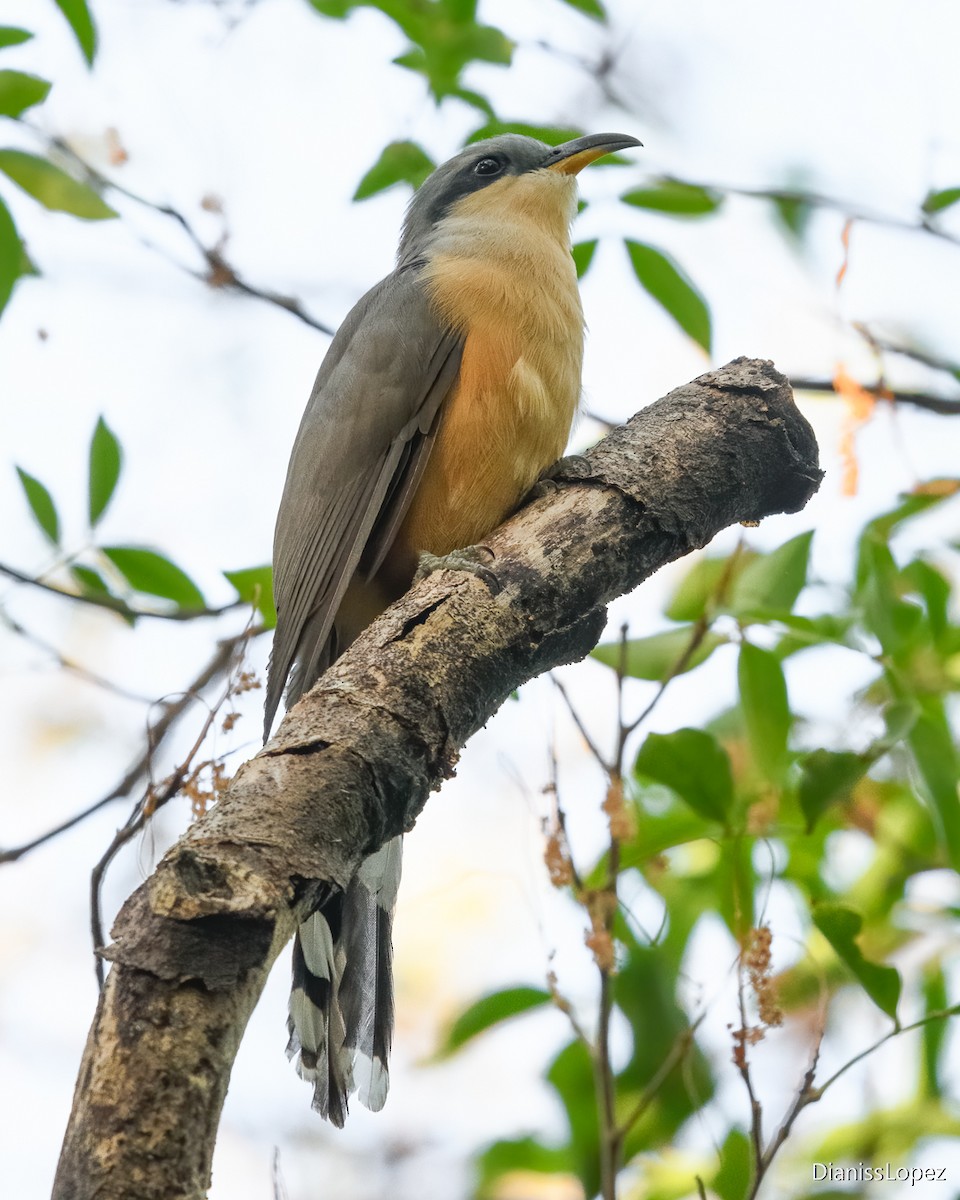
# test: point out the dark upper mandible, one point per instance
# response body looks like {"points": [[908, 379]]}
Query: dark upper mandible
{"points": [[482, 163]]}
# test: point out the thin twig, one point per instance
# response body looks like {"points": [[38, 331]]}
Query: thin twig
{"points": [[171, 711], [741, 1061], [114, 604], [146, 807], [220, 274], [571, 708], [942, 405], [675, 1055], [820, 200], [68, 665]]}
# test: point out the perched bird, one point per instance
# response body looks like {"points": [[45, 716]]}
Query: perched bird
{"points": [[447, 391]]}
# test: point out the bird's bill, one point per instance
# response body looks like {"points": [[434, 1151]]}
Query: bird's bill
{"points": [[571, 157]]}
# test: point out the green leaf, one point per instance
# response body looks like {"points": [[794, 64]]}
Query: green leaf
{"points": [[663, 279], [91, 582], [656, 657], [675, 197], [571, 1074], [934, 587], [81, 22], [772, 581], [897, 623], [827, 776], [105, 462], [583, 253], [934, 1033], [698, 588], [19, 91], [766, 709], [522, 1154], [735, 1175], [151, 573], [399, 162], [590, 8], [693, 764], [934, 751], [794, 214], [254, 585], [938, 201], [55, 189], [41, 505], [11, 255], [490, 1010], [10, 35], [841, 927]]}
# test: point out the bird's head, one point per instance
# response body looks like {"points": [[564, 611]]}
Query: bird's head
{"points": [[499, 174]]}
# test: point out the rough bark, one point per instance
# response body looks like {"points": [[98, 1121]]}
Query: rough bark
{"points": [[354, 761]]}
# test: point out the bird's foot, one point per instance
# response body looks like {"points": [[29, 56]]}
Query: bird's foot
{"points": [[475, 559], [564, 470]]}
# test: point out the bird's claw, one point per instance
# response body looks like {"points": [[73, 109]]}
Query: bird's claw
{"points": [[474, 559], [565, 470]]}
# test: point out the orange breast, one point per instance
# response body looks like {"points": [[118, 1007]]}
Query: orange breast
{"points": [[509, 415]]}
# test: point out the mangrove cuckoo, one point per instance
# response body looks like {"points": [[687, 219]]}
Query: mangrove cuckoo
{"points": [[445, 394]]}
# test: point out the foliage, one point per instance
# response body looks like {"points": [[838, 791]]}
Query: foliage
{"points": [[703, 804]]}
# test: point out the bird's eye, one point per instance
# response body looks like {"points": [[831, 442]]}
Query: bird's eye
{"points": [[488, 166]]}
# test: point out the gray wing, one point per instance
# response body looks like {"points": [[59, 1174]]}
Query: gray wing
{"points": [[361, 448]]}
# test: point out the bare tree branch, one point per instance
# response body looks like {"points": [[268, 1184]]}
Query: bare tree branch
{"points": [[353, 762], [219, 273], [170, 712], [943, 405], [114, 603]]}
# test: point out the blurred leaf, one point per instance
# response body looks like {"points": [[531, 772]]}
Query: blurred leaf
{"points": [[445, 39], [766, 709], [735, 1175], [841, 926], [19, 91], [591, 8], [151, 573], [10, 35], [675, 197], [772, 581], [935, 754], [694, 765], [91, 582], [897, 623], [663, 279], [254, 585], [826, 776], [654, 657], [81, 22], [938, 201], [105, 462], [523, 1154], [571, 1074], [399, 162], [11, 255], [41, 505], [794, 214], [699, 586], [935, 589], [55, 189], [490, 1010], [925, 496], [932, 1065], [583, 256]]}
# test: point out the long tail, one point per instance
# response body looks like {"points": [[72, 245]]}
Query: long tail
{"points": [[341, 1003]]}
